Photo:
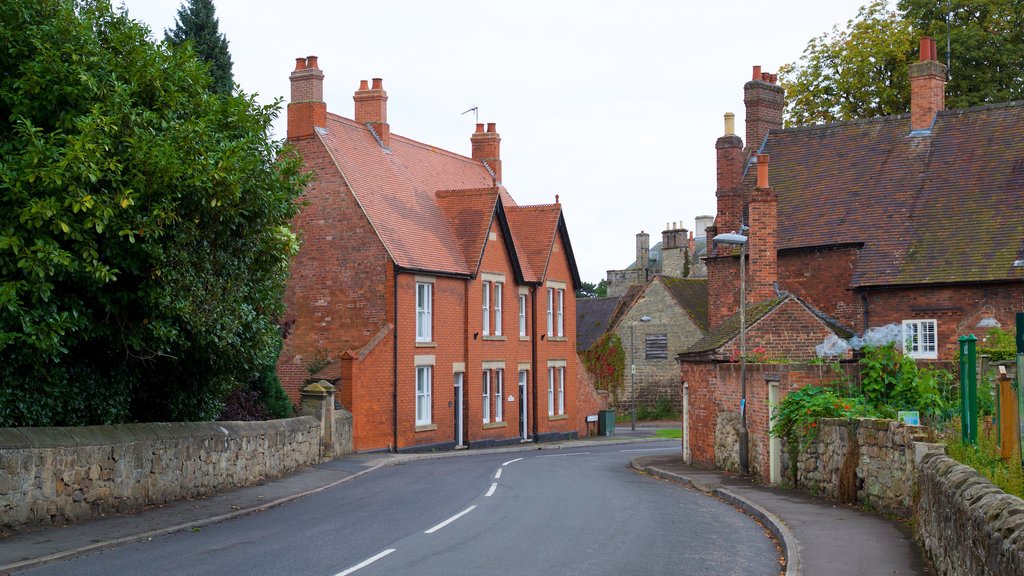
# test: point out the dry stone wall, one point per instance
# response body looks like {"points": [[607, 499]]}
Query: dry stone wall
{"points": [[60, 475]]}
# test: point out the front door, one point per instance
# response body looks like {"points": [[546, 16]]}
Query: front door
{"points": [[775, 444], [524, 430], [459, 440]]}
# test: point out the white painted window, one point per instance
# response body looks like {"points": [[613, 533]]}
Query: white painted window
{"points": [[487, 309], [499, 393], [920, 339], [551, 312], [551, 391], [424, 311], [424, 385], [561, 390], [522, 314], [497, 308], [561, 307], [487, 395]]}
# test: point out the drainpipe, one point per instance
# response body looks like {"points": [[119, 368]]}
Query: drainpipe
{"points": [[394, 362], [533, 341]]}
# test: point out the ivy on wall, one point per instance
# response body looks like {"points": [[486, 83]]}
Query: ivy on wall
{"points": [[606, 361]]}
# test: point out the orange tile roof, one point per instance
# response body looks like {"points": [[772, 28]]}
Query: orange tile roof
{"points": [[396, 190], [433, 209]]}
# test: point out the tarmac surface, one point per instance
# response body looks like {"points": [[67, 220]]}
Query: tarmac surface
{"points": [[817, 536]]}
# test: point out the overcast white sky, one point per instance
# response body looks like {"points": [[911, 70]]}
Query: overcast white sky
{"points": [[614, 106]]}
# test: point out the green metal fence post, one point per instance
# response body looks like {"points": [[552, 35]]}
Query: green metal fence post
{"points": [[1020, 376], [968, 390]]}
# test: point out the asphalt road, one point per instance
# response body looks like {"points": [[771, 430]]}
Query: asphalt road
{"points": [[539, 512]]}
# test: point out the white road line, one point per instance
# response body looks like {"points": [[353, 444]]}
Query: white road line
{"points": [[366, 562], [493, 488], [510, 461], [448, 521], [647, 450], [498, 473], [569, 454]]}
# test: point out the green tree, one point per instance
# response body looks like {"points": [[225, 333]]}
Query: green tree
{"points": [[861, 71], [143, 224], [591, 290], [856, 72], [197, 23]]}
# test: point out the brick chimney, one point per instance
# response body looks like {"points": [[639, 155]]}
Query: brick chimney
{"points": [[372, 109], [765, 100], [729, 194], [306, 108], [487, 148], [643, 250], [675, 250], [761, 238], [927, 87]]}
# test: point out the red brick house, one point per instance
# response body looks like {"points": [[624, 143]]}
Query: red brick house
{"points": [[448, 310], [910, 219]]}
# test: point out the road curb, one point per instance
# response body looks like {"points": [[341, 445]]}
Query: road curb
{"points": [[785, 537]]}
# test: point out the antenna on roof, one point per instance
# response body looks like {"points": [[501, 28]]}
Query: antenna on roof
{"points": [[949, 16], [476, 112]]}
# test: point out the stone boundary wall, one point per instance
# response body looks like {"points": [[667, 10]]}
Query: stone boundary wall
{"points": [[967, 526], [61, 475]]}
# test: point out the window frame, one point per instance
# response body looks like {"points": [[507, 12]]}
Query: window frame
{"points": [[424, 312], [551, 312], [486, 386], [561, 390], [660, 349], [486, 320], [551, 390], [424, 395], [522, 315], [497, 308], [561, 315], [499, 391], [914, 336]]}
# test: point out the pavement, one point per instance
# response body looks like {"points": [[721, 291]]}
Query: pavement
{"points": [[817, 537]]}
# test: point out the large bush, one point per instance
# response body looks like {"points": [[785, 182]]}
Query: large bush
{"points": [[143, 224]]}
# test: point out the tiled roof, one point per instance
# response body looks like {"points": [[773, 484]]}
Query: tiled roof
{"points": [[432, 208], [692, 296], [533, 233], [928, 209], [730, 328], [593, 316]]}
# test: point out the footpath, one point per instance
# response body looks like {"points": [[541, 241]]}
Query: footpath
{"points": [[818, 538]]}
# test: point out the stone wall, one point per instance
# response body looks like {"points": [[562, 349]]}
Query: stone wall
{"points": [[967, 526], [60, 475]]}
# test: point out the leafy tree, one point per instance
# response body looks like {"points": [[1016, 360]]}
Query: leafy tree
{"points": [[856, 72], [591, 290], [143, 224], [197, 23], [861, 71]]}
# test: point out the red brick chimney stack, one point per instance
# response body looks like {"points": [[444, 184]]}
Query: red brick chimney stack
{"points": [[927, 87], [306, 108], [765, 101], [487, 147], [761, 238], [729, 194], [372, 109]]}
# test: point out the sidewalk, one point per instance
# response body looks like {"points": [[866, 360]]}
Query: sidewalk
{"points": [[820, 538]]}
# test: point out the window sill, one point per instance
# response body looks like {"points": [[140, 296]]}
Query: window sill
{"points": [[558, 417], [490, 425], [523, 338], [426, 344], [556, 338], [500, 337], [426, 427]]}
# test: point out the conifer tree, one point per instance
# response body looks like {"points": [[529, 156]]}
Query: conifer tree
{"points": [[197, 22]]}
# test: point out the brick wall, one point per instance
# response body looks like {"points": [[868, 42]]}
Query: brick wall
{"points": [[337, 293], [822, 278], [588, 399]]}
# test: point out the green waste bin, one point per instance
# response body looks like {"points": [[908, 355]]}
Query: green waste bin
{"points": [[606, 422]]}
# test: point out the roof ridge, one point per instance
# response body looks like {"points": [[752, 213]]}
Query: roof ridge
{"points": [[831, 125], [406, 139], [983, 107], [449, 192]]}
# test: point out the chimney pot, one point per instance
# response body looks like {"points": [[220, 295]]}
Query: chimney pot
{"points": [[935, 55], [925, 50], [480, 127], [364, 85], [730, 124], [300, 64], [491, 127], [311, 62], [378, 84], [757, 73], [762, 170]]}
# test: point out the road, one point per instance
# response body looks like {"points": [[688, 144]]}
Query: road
{"points": [[537, 512]]}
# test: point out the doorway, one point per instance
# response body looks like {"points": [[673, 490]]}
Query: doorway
{"points": [[460, 441]]}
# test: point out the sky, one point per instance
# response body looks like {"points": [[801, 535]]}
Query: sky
{"points": [[613, 106]]}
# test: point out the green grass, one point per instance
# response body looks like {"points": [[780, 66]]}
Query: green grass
{"points": [[668, 433], [984, 457]]}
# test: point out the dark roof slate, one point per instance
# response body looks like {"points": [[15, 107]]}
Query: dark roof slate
{"points": [[692, 296], [593, 316], [927, 209]]}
